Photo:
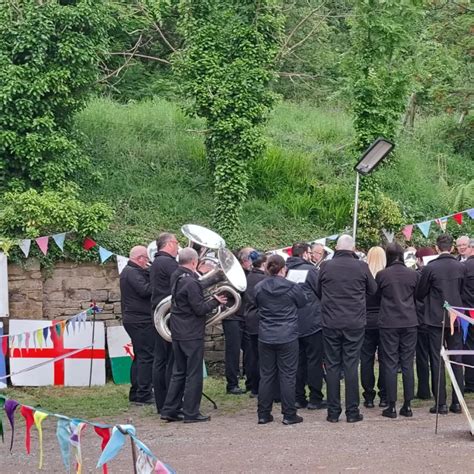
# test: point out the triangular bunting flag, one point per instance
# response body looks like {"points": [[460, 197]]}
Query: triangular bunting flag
{"points": [[25, 246], [59, 239], [465, 328], [424, 227], [46, 334], [121, 263], [470, 213], [10, 407], [27, 340], [27, 414], [104, 433], [458, 218], [288, 250], [38, 417], [442, 221], [388, 235], [104, 254], [333, 237], [63, 434], [321, 241], [407, 231], [43, 244], [88, 243]]}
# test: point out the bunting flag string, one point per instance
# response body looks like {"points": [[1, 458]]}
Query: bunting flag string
{"points": [[105, 254], [68, 434]]}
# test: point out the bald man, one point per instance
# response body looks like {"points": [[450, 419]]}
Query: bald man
{"points": [[136, 313], [343, 284]]}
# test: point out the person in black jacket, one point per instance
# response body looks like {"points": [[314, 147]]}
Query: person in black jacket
{"points": [[424, 357], [277, 301], [233, 327], [468, 302], [376, 260], [442, 280], [188, 324], [163, 266], [397, 323], [344, 282], [251, 361], [310, 360], [136, 313]]}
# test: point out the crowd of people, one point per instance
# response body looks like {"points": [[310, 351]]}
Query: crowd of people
{"points": [[305, 320]]}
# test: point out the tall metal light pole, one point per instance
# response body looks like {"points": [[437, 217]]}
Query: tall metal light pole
{"points": [[370, 159]]}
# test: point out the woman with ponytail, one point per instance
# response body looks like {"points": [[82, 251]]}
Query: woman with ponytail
{"points": [[277, 300]]}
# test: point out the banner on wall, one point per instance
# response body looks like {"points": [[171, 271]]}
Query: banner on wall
{"points": [[3, 286], [120, 352], [46, 345]]}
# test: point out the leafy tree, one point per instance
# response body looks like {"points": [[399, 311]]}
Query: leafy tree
{"points": [[49, 54], [226, 67]]}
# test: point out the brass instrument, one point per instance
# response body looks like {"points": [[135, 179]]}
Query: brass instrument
{"points": [[227, 276]]}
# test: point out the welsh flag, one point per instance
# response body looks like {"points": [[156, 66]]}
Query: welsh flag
{"points": [[120, 353]]}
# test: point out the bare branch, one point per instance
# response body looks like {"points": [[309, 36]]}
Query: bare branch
{"points": [[299, 43], [163, 37], [144, 56]]}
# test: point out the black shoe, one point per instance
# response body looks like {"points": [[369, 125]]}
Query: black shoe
{"points": [[455, 408], [332, 419], [197, 419], [442, 409], [253, 395], [149, 401], [170, 418], [390, 412], [383, 403], [369, 404], [235, 391], [265, 419], [321, 405], [406, 411], [293, 420], [300, 405], [355, 418]]}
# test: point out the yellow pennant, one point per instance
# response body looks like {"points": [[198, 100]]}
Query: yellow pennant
{"points": [[39, 416]]}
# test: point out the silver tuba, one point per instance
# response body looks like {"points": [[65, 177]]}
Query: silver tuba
{"points": [[226, 276]]}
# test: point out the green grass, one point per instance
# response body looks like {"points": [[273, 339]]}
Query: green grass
{"points": [[155, 175]]}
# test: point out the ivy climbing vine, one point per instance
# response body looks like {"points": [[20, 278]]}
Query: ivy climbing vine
{"points": [[225, 68]]}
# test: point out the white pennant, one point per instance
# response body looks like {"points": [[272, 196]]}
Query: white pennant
{"points": [[121, 263], [388, 235], [25, 246]]}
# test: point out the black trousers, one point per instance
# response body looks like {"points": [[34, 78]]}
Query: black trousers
{"points": [[162, 369], [342, 352], [398, 348], [469, 373], [370, 347], [310, 368], [233, 331], [187, 379], [277, 362], [142, 336], [423, 359], [453, 342], [251, 362]]}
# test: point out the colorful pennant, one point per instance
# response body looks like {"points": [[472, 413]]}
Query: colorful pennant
{"points": [[104, 254], [25, 246], [43, 244], [59, 239], [88, 243], [424, 227]]}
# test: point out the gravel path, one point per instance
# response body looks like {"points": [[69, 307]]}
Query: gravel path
{"points": [[235, 443]]}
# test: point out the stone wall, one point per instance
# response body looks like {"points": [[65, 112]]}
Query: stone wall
{"points": [[68, 288]]}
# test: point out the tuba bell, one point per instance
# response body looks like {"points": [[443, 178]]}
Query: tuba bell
{"points": [[226, 276]]}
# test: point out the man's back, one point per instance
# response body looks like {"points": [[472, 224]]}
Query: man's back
{"points": [[160, 275], [441, 280], [343, 285]]}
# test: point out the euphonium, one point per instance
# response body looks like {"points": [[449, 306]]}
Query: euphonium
{"points": [[226, 277]]}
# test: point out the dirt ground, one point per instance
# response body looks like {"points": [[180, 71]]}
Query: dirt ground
{"points": [[235, 443]]}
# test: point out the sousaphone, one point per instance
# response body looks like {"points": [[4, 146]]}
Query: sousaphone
{"points": [[226, 276]]}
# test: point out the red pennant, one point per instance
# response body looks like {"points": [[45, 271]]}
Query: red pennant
{"points": [[104, 433], [88, 243], [407, 231], [288, 250], [458, 218], [27, 414]]}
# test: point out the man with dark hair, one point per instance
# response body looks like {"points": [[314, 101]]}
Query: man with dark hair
{"points": [[135, 298], [310, 361], [162, 268], [343, 284], [442, 280], [468, 302], [188, 324], [233, 327]]}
